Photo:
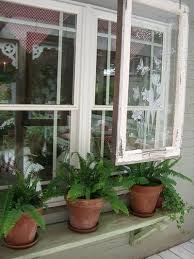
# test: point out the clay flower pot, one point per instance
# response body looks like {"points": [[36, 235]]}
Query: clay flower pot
{"points": [[84, 214], [159, 202], [144, 198], [24, 232]]}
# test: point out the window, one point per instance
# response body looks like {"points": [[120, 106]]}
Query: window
{"points": [[57, 76], [39, 87], [150, 81]]}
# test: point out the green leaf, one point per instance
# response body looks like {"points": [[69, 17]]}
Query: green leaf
{"points": [[116, 203], [34, 214], [10, 221], [76, 191]]}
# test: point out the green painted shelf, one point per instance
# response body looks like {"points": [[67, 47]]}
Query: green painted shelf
{"points": [[58, 237]]}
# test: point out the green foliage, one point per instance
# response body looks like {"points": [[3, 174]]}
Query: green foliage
{"points": [[22, 197], [153, 173], [93, 179]]}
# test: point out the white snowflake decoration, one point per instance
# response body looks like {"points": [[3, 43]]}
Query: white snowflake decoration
{"points": [[138, 115], [146, 95], [158, 63], [142, 69], [136, 93]]}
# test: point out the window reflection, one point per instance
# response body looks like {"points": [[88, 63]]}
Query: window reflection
{"points": [[34, 54], [28, 141]]}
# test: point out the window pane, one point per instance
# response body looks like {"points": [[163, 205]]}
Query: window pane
{"points": [[141, 129], [36, 62], [141, 34], [101, 135], [152, 82], [67, 77], [105, 67], [31, 141], [139, 76], [7, 147], [69, 20], [63, 137], [103, 26]]}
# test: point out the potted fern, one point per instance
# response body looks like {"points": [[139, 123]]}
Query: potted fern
{"points": [[20, 211], [86, 189], [147, 181]]}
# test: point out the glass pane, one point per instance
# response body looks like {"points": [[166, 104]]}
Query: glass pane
{"points": [[29, 141], [101, 71], [103, 26], [42, 69], [139, 76], [152, 83], [141, 128], [101, 135], [37, 142], [67, 76], [69, 20], [158, 37], [33, 58], [63, 137], [141, 34], [7, 147], [8, 70], [105, 67]]}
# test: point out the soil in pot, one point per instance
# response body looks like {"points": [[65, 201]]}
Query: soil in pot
{"points": [[143, 199], [23, 233], [84, 214]]}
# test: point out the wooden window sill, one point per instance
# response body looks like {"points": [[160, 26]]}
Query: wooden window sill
{"points": [[58, 237]]}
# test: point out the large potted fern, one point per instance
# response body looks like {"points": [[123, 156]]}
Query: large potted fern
{"points": [[86, 189], [147, 181], [20, 211]]}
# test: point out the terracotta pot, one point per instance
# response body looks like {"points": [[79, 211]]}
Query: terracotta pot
{"points": [[144, 198], [159, 202], [23, 232], [84, 214]]}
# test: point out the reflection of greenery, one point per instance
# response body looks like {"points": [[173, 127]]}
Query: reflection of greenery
{"points": [[5, 93], [35, 138], [44, 84], [8, 76], [7, 124]]}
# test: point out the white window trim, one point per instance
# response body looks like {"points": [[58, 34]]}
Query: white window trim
{"points": [[122, 80]]}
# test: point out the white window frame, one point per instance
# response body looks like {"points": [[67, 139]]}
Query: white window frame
{"points": [[72, 109], [144, 23], [121, 155]]}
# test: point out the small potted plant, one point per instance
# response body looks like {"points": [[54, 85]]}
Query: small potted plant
{"points": [[146, 182], [20, 211], [86, 189]]}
